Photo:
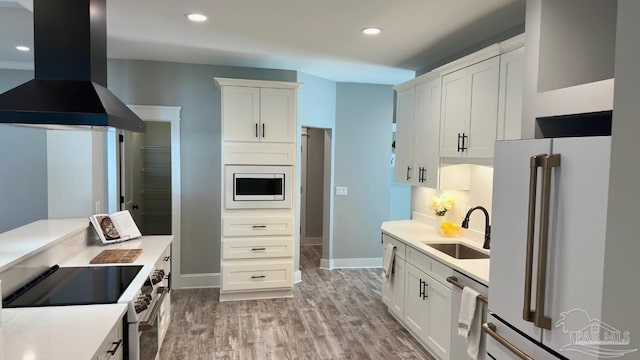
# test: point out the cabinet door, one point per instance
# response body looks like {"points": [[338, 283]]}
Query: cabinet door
{"points": [[510, 98], [277, 115], [416, 314], [240, 113], [483, 85], [397, 299], [455, 112], [405, 118], [428, 132], [438, 329]]}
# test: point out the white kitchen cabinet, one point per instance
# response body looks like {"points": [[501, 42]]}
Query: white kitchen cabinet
{"points": [[112, 347], [510, 97], [428, 310], [393, 288], [418, 137], [416, 315], [405, 136], [470, 110], [438, 329], [258, 114]]}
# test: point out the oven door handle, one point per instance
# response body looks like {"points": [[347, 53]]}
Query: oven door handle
{"points": [[150, 324]]}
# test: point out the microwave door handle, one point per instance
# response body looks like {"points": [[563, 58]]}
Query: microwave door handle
{"points": [[548, 163], [534, 163]]}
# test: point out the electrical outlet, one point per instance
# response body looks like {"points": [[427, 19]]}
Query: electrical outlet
{"points": [[341, 190]]}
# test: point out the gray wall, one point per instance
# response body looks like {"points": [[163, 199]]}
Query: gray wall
{"points": [[363, 130], [192, 87], [577, 42], [23, 184], [621, 293]]}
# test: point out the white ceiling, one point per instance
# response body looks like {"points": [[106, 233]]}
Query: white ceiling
{"points": [[319, 37]]}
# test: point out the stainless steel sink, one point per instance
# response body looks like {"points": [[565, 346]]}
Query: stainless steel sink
{"points": [[458, 251]]}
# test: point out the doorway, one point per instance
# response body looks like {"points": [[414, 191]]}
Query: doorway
{"points": [[312, 196], [147, 177]]}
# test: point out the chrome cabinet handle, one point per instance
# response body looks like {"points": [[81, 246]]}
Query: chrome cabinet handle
{"points": [[548, 162], [534, 163], [490, 329]]}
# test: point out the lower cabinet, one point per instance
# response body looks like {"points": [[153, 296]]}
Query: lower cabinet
{"points": [[423, 302], [393, 289], [113, 347], [427, 311]]}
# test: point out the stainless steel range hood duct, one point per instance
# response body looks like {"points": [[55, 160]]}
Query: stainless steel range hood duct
{"points": [[69, 90]]}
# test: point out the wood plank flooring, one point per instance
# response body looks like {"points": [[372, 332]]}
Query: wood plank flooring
{"points": [[335, 314]]}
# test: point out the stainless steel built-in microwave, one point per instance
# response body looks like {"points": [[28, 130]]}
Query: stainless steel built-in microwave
{"points": [[258, 187]]}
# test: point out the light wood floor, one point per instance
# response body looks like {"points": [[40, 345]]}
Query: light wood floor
{"points": [[335, 314]]}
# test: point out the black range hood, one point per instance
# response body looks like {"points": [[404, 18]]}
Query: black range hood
{"points": [[69, 90]]}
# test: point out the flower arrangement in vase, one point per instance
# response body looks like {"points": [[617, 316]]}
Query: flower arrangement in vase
{"points": [[440, 205]]}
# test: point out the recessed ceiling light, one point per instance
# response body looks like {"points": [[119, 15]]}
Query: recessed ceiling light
{"points": [[22, 48], [196, 17], [371, 31]]}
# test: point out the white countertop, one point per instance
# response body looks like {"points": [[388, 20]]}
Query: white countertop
{"points": [[25, 241], [56, 332], [416, 233], [65, 332]]}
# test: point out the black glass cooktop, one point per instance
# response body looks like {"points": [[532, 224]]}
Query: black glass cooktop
{"points": [[74, 286]]}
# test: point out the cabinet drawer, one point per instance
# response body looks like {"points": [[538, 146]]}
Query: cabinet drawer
{"points": [[112, 343], [418, 259], [440, 272], [256, 248], [256, 275], [247, 153], [257, 225], [400, 247]]}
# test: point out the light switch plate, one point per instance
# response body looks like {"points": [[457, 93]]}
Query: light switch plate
{"points": [[341, 190]]}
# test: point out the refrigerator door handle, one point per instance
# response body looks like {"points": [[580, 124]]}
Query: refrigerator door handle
{"points": [[490, 329], [534, 163], [548, 162]]}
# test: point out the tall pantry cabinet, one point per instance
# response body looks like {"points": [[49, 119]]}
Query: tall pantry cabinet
{"points": [[258, 140]]}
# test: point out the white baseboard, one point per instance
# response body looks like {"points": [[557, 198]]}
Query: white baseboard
{"points": [[326, 264], [355, 263], [298, 277], [311, 240], [205, 280]]}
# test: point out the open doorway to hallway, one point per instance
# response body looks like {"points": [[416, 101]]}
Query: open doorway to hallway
{"points": [[312, 196]]}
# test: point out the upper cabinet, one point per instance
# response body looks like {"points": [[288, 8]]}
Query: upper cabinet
{"points": [[470, 110], [510, 99], [417, 139], [258, 114], [258, 121]]}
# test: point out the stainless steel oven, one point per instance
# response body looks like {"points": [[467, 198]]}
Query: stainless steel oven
{"points": [[258, 187], [144, 318]]}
